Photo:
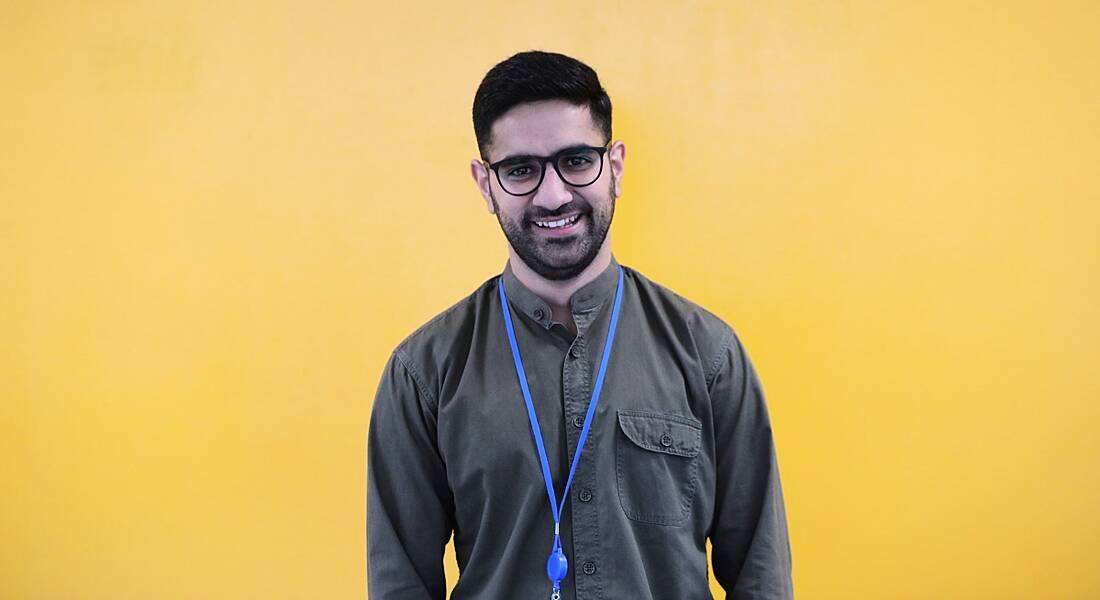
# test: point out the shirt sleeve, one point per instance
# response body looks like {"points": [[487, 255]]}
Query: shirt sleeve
{"points": [[751, 550], [409, 504]]}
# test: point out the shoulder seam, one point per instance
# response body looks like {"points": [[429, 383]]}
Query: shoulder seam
{"points": [[406, 362], [716, 362]]}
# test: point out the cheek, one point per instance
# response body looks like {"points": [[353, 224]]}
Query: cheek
{"points": [[514, 218]]}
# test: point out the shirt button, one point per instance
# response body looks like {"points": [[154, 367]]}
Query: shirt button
{"points": [[575, 351], [578, 422], [585, 495], [589, 568], [666, 440], [539, 314]]}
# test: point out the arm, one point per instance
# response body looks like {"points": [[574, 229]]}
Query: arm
{"points": [[409, 505], [751, 549]]}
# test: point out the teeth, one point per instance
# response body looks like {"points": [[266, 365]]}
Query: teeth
{"points": [[556, 224]]}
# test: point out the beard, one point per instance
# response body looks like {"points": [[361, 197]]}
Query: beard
{"points": [[559, 258]]}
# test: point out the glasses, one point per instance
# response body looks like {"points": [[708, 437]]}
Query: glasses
{"points": [[577, 166]]}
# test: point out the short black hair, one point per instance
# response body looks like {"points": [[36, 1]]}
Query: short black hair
{"points": [[532, 76]]}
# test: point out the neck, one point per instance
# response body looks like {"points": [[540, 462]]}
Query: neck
{"points": [[558, 293]]}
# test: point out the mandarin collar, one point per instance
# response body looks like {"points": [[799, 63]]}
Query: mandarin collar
{"points": [[589, 296]]}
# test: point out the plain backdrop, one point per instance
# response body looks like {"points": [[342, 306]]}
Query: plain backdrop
{"points": [[218, 218]]}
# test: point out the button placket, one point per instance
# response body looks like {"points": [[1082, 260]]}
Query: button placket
{"points": [[577, 382], [585, 506]]}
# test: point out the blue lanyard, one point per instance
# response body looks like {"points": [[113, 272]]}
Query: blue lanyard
{"points": [[557, 565]]}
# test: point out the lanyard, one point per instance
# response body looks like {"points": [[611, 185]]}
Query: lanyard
{"points": [[557, 565]]}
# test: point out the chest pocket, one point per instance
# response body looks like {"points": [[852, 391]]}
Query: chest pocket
{"points": [[656, 459]]}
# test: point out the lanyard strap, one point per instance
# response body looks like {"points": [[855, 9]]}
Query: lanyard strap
{"points": [[537, 432]]}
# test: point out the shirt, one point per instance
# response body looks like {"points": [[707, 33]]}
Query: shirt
{"points": [[680, 451]]}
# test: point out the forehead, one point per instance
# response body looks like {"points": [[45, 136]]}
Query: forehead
{"points": [[542, 128]]}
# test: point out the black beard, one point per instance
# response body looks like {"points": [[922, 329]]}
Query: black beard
{"points": [[529, 247]]}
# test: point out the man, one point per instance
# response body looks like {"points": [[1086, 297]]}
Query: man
{"points": [[480, 412]]}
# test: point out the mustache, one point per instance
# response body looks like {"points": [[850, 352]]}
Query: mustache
{"points": [[568, 209]]}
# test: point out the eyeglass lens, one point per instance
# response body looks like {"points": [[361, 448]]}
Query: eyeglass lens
{"points": [[578, 167]]}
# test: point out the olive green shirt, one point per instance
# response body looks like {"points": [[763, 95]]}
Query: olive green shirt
{"points": [[680, 451]]}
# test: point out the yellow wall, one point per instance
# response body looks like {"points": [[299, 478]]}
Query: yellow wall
{"points": [[218, 218]]}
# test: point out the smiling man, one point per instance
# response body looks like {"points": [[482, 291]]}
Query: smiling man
{"points": [[581, 430]]}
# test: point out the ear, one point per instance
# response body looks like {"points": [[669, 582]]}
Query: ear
{"points": [[617, 157], [481, 178]]}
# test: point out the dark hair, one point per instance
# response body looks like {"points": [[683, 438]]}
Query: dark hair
{"points": [[533, 76]]}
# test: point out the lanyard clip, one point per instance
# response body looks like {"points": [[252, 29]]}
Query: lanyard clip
{"points": [[556, 567]]}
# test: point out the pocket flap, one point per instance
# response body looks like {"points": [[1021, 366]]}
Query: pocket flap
{"points": [[669, 434]]}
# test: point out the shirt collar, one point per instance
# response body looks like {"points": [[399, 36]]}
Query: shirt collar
{"points": [[589, 296]]}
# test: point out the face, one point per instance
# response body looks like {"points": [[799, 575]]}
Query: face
{"points": [[541, 129]]}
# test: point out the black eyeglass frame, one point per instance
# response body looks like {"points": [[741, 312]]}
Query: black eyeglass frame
{"points": [[553, 160]]}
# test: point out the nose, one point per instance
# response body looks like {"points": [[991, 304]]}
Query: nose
{"points": [[552, 192]]}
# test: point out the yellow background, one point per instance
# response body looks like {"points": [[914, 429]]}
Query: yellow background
{"points": [[218, 218]]}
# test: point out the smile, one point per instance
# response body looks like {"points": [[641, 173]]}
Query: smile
{"points": [[559, 223]]}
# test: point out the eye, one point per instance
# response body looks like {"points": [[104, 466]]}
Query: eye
{"points": [[519, 171], [578, 162]]}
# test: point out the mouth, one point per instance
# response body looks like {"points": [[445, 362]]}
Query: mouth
{"points": [[559, 226]]}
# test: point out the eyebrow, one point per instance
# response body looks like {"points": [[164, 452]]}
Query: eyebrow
{"points": [[558, 151]]}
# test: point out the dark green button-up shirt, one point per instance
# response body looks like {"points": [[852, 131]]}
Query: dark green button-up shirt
{"points": [[680, 451]]}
